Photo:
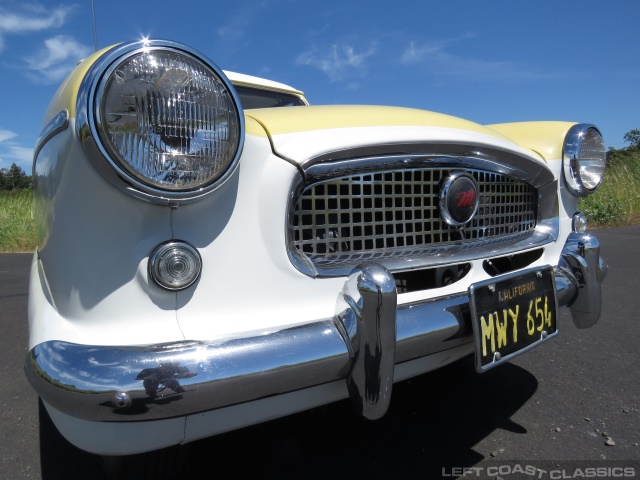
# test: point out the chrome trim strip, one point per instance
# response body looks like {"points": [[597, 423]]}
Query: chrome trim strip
{"points": [[57, 124], [430, 257], [124, 384], [537, 175], [87, 128], [433, 153]]}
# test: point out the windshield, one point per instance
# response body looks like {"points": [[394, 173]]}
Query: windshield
{"points": [[257, 98]]}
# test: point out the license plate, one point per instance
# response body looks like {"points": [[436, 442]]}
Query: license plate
{"points": [[512, 314]]}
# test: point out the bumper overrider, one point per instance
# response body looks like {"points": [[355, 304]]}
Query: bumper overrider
{"points": [[368, 336]]}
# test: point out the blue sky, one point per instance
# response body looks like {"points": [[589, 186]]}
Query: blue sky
{"points": [[487, 61]]}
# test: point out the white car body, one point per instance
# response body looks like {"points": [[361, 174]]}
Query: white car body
{"points": [[255, 314]]}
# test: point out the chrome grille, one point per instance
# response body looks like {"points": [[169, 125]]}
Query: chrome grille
{"points": [[390, 213]]}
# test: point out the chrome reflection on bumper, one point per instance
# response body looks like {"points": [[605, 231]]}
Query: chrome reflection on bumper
{"points": [[367, 337], [581, 256], [366, 315]]}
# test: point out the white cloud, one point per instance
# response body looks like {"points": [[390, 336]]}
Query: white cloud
{"points": [[12, 152], [430, 50], [6, 135], [59, 55], [31, 19], [20, 154], [234, 31], [17, 154], [436, 56], [417, 54], [339, 62]]}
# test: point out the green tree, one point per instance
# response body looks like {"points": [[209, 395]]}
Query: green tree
{"points": [[633, 137], [14, 178]]}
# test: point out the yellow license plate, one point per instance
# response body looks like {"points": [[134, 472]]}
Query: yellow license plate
{"points": [[512, 314]]}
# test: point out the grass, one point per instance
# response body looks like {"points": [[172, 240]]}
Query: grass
{"points": [[617, 201], [17, 229]]}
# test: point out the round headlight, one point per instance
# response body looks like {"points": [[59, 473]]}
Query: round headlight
{"points": [[584, 159], [167, 120]]}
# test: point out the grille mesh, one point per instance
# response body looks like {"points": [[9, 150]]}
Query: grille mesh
{"points": [[391, 213]]}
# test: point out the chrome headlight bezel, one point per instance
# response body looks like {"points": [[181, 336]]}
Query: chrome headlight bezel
{"points": [[572, 158], [90, 130]]}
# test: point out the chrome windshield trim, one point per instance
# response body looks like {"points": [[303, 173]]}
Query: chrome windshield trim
{"points": [[505, 163], [57, 124]]}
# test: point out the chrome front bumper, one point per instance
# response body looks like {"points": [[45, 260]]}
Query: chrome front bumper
{"points": [[367, 337]]}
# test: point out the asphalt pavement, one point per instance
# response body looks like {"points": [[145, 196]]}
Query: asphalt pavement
{"points": [[570, 405]]}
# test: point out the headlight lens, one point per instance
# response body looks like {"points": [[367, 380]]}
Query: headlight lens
{"points": [[168, 121], [584, 159]]}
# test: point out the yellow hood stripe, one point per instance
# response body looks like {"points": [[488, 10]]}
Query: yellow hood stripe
{"points": [[544, 138], [278, 121]]}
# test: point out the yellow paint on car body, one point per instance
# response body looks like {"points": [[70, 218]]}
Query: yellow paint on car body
{"points": [[252, 127], [544, 138], [67, 94], [277, 121]]}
